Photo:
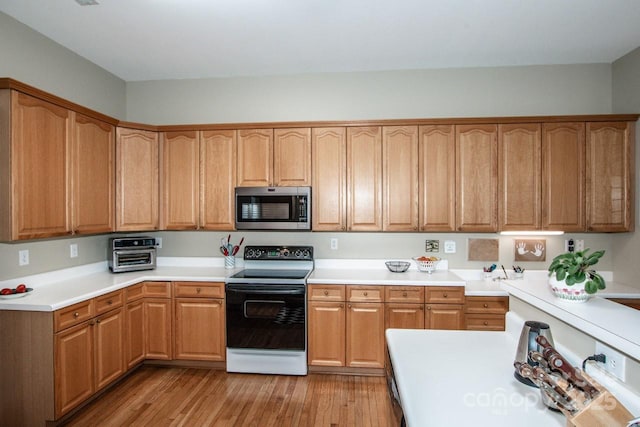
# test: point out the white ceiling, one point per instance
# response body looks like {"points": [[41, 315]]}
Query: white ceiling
{"points": [[179, 39]]}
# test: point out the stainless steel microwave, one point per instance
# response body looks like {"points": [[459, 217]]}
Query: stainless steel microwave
{"points": [[273, 208]]}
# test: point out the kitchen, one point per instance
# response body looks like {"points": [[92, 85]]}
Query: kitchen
{"points": [[600, 88]]}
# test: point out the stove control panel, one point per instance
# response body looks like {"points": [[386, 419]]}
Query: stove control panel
{"points": [[282, 253]]}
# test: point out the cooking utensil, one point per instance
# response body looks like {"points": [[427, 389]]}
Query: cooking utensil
{"points": [[560, 364]]}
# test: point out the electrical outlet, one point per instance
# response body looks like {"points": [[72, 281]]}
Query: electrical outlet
{"points": [[73, 250], [23, 257], [449, 247], [569, 245], [615, 363], [579, 245], [334, 244]]}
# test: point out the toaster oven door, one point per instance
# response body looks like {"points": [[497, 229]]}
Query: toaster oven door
{"points": [[133, 260]]}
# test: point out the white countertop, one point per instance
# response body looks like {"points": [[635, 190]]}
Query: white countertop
{"points": [[463, 378]]}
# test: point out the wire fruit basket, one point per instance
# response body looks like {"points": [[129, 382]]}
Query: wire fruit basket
{"points": [[427, 264], [397, 266]]}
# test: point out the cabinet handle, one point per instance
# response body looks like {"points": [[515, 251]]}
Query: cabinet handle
{"points": [[76, 314], [486, 305], [404, 294], [366, 294], [109, 302], [326, 293], [198, 290]]}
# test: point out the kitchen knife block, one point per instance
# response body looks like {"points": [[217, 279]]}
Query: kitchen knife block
{"points": [[604, 410]]}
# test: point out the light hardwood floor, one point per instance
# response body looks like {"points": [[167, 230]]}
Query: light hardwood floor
{"points": [[161, 396]]}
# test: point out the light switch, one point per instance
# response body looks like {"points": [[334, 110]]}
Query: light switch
{"points": [[449, 247]]}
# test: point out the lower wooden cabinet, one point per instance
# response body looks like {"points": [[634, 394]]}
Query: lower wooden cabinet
{"points": [[486, 313], [199, 321], [326, 333], [365, 335], [87, 358], [134, 333], [404, 316], [157, 326], [444, 316]]}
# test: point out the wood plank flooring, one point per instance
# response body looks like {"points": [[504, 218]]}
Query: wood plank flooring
{"points": [[163, 396]]}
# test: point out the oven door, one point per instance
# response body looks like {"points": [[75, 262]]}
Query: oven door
{"points": [[266, 316]]}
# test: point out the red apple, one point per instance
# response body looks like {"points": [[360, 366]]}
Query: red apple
{"points": [[6, 291], [21, 288]]}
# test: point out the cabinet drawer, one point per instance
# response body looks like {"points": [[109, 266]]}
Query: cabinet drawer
{"points": [[404, 294], [487, 305], [485, 322], [72, 315], [157, 289], [109, 301], [134, 292], [198, 289], [365, 293], [326, 292], [444, 295]]}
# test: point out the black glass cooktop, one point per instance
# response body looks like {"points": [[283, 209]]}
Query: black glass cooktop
{"points": [[270, 274]]}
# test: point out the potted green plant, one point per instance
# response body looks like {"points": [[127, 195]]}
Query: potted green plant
{"points": [[572, 277]]}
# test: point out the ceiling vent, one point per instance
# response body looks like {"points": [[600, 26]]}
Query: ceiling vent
{"points": [[87, 2]]}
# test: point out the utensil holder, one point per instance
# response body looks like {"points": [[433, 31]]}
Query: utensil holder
{"points": [[229, 261]]}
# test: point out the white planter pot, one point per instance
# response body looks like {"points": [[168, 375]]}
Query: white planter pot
{"points": [[574, 293]]}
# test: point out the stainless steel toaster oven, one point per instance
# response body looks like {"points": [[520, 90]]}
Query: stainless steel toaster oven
{"points": [[131, 254]]}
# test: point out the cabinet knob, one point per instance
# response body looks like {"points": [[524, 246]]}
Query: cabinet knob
{"points": [[404, 294], [428, 307], [422, 308], [109, 302], [326, 293], [366, 293], [486, 305], [342, 228], [76, 314], [341, 305], [198, 290], [98, 321], [445, 295], [486, 323], [92, 323], [349, 306]]}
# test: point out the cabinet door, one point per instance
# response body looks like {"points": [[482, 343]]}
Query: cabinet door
{"points": [[364, 179], [477, 178], [444, 316], [157, 327], [255, 157], [400, 178], [404, 316], [136, 180], [199, 329], [109, 348], [292, 157], [39, 164], [180, 180], [217, 179], [437, 178], [365, 335], [134, 333], [326, 332], [519, 176], [329, 156], [93, 171], [610, 169], [73, 367], [563, 165]]}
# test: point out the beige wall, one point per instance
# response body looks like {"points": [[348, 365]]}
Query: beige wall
{"points": [[626, 99], [468, 92]]}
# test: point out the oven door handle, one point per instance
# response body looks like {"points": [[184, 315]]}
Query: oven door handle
{"points": [[269, 289]]}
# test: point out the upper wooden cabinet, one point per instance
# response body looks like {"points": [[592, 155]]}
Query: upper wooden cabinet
{"points": [[437, 178], [400, 178], [610, 176], [217, 179], [292, 157], [563, 171], [255, 157], [280, 157], [34, 180], [519, 183], [364, 179], [136, 180], [329, 179], [477, 178], [93, 170], [180, 180]]}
